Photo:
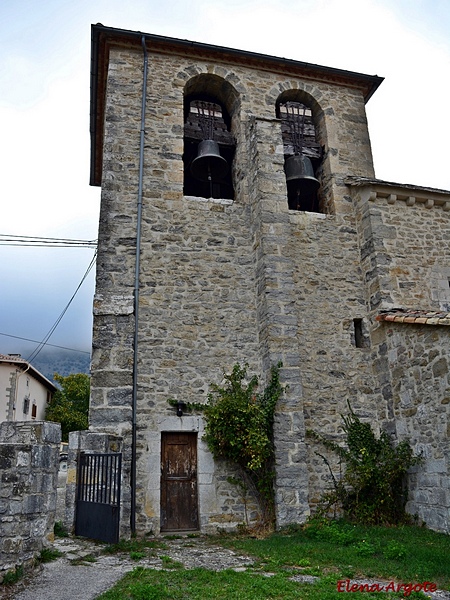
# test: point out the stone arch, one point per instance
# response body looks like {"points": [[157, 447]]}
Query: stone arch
{"points": [[215, 86], [305, 96], [213, 91]]}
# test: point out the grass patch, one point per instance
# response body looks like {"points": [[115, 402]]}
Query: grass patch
{"points": [[134, 546], [405, 553], [59, 530], [200, 584], [169, 563], [89, 558], [332, 552], [12, 577], [48, 554]]}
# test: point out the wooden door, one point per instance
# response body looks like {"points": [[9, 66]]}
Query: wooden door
{"points": [[179, 500]]}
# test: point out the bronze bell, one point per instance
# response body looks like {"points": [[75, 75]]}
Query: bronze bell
{"points": [[299, 171], [208, 164]]}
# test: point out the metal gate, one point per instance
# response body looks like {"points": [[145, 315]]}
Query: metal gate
{"points": [[98, 497]]}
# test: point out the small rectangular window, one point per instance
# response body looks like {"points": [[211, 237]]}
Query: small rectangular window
{"points": [[360, 335], [34, 411]]}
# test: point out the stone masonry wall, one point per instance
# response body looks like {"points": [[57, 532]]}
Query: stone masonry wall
{"points": [[405, 246], [419, 360], [227, 281], [29, 463], [312, 289], [405, 252]]}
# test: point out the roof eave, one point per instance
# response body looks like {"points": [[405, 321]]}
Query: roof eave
{"points": [[101, 36]]}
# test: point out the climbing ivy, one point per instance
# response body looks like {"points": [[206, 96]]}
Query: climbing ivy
{"points": [[239, 429], [372, 489]]}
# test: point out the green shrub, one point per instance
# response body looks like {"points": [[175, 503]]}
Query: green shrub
{"points": [[330, 531], [372, 489], [365, 548], [239, 429], [394, 550]]}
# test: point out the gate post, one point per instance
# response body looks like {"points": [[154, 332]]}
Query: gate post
{"points": [[88, 442]]}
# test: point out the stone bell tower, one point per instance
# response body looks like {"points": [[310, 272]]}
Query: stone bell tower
{"points": [[229, 233]]}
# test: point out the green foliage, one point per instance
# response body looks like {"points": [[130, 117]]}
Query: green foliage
{"points": [[312, 549], [12, 577], [330, 531], [365, 548], [133, 545], [239, 429], [49, 554], [372, 489], [395, 550], [404, 553], [59, 530], [169, 563], [70, 404], [292, 555]]}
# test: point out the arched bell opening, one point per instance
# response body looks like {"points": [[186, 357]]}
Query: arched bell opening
{"points": [[302, 154], [209, 148]]}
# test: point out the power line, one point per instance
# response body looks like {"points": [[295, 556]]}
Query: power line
{"points": [[48, 242], [58, 320], [37, 342]]}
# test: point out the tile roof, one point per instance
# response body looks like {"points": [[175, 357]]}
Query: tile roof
{"points": [[420, 317], [21, 363], [16, 358]]}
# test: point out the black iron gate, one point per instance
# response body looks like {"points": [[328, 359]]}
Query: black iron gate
{"points": [[98, 497]]}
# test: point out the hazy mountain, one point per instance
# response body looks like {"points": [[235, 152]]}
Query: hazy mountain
{"points": [[63, 362]]}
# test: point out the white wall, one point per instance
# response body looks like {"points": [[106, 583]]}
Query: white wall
{"points": [[27, 387]]}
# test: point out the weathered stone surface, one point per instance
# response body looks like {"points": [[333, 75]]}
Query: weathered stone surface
{"points": [[248, 280], [29, 462]]}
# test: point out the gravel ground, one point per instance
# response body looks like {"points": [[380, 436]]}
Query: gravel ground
{"points": [[71, 577]]}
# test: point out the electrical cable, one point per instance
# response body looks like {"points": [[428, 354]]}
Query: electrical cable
{"points": [[17, 337], [58, 320], [26, 240]]}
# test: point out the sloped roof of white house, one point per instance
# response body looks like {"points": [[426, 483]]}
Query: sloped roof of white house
{"points": [[19, 362]]}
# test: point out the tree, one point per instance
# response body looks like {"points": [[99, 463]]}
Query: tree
{"points": [[70, 404]]}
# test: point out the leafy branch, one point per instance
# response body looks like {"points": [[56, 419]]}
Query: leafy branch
{"points": [[372, 488], [239, 429]]}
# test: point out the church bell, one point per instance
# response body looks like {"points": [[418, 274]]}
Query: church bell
{"points": [[209, 165], [300, 174]]}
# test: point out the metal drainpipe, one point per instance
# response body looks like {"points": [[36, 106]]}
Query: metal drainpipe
{"points": [[136, 293]]}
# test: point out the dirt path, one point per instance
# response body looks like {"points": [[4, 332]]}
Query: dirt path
{"points": [[73, 577]]}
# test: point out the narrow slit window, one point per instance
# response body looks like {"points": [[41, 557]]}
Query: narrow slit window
{"points": [[360, 339]]}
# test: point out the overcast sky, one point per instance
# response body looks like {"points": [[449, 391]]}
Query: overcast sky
{"points": [[44, 117]]}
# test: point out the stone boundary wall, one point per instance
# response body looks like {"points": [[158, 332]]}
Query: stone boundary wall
{"points": [[29, 463]]}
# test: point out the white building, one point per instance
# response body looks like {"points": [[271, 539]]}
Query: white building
{"points": [[24, 392]]}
